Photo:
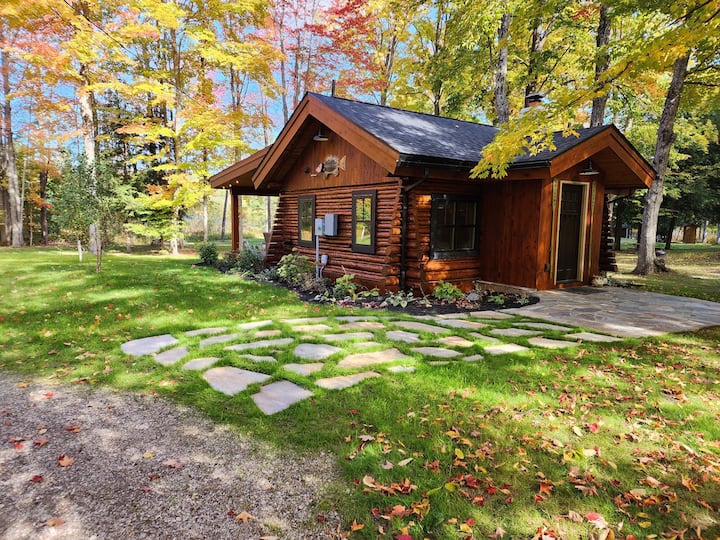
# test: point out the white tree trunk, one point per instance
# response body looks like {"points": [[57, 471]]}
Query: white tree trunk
{"points": [[653, 198], [205, 218], [86, 100], [16, 208], [79, 248], [502, 107]]}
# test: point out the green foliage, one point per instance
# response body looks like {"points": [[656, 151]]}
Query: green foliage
{"points": [[251, 259], [296, 269], [208, 253], [496, 298], [345, 289], [447, 292], [399, 299]]}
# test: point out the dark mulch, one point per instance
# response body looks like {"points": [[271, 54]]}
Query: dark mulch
{"points": [[432, 306]]}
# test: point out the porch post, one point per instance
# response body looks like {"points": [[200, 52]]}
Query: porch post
{"points": [[235, 211]]}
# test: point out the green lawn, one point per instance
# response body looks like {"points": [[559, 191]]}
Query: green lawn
{"points": [[694, 271], [543, 443]]}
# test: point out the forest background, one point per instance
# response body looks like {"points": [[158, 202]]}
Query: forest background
{"points": [[116, 112]]}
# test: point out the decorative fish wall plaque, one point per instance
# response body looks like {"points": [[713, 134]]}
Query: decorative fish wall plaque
{"points": [[331, 166]]}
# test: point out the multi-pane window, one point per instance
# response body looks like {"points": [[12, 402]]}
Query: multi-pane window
{"points": [[306, 220], [453, 227], [363, 221]]}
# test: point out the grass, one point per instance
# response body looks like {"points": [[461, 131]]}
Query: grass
{"points": [[540, 443], [694, 271]]}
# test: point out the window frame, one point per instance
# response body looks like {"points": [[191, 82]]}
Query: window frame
{"points": [[301, 200], [365, 194], [436, 253]]}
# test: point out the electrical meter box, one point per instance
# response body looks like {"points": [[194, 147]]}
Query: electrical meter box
{"points": [[331, 224], [319, 226]]}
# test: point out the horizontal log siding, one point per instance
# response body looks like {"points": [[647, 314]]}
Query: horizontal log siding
{"points": [[509, 220], [380, 269]]}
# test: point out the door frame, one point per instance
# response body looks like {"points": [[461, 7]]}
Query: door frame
{"points": [[582, 245]]}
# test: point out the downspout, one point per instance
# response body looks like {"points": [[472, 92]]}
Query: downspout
{"points": [[404, 228]]}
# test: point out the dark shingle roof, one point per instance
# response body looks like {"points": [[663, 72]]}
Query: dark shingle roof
{"points": [[424, 138]]}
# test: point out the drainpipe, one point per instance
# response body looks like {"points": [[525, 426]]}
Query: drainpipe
{"points": [[404, 227]]}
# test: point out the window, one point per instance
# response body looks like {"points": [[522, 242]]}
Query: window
{"points": [[363, 221], [306, 220], [453, 227]]}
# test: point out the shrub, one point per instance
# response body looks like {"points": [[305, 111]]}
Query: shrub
{"points": [[251, 259], [345, 289], [447, 292], [208, 253], [228, 262], [296, 269]]}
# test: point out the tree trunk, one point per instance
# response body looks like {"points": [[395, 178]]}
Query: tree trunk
{"points": [[619, 210], [222, 223], [669, 234], [653, 199], [536, 46], [86, 100], [43, 209], [502, 107], [16, 208], [602, 62], [205, 218]]}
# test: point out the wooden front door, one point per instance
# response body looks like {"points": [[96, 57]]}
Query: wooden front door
{"points": [[570, 235]]}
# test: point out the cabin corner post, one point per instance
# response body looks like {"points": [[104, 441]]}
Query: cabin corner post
{"points": [[235, 230]]}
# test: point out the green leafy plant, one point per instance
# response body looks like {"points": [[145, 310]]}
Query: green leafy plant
{"points": [[208, 253], [345, 289], [251, 260], [447, 292], [296, 269], [399, 299], [496, 298]]}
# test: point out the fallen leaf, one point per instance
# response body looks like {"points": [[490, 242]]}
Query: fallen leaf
{"points": [[148, 455], [356, 526], [73, 428], [172, 463], [54, 522], [37, 478], [65, 461], [404, 462], [387, 465], [244, 517]]}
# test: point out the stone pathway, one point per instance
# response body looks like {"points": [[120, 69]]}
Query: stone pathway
{"points": [[269, 353]]}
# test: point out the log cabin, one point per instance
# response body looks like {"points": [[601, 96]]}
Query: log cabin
{"points": [[386, 194]]}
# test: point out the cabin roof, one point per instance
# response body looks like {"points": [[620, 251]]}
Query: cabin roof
{"points": [[399, 139]]}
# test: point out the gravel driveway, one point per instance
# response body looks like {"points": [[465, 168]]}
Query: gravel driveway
{"points": [[88, 463]]}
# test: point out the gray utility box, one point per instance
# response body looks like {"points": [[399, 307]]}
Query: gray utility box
{"points": [[331, 225]]}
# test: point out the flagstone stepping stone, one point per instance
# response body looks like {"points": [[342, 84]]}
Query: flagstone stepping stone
{"points": [[259, 359], [438, 352], [367, 344], [278, 396], [148, 345], [362, 325], [551, 343], [483, 337], [304, 369], [260, 344], [505, 348], [254, 324], [456, 341], [402, 335], [402, 369], [356, 318], [200, 363], [420, 327], [348, 336], [304, 320], [590, 336], [473, 358], [452, 316], [231, 380], [543, 326], [369, 359], [344, 381], [171, 356], [267, 333], [206, 331], [311, 351], [514, 332], [457, 323], [224, 338], [311, 328], [489, 314], [439, 363]]}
